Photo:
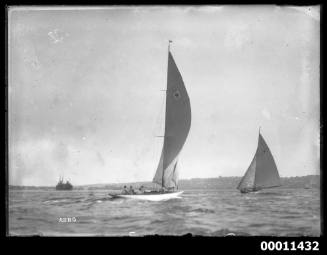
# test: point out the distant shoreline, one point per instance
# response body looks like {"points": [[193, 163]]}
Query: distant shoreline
{"points": [[218, 182]]}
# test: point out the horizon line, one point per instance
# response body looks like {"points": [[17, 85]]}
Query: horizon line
{"points": [[110, 183]]}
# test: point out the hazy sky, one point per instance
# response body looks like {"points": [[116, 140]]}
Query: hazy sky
{"points": [[85, 100]]}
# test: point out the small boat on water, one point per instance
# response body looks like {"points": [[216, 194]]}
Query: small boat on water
{"points": [[64, 186], [177, 126], [262, 172]]}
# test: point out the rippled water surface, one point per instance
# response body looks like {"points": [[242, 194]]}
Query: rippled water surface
{"points": [[281, 212]]}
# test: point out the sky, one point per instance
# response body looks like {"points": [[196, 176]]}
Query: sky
{"points": [[85, 99]]}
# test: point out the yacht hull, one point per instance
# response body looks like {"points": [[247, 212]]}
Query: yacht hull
{"points": [[150, 196]]}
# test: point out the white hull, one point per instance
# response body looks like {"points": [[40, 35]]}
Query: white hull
{"points": [[151, 197]]}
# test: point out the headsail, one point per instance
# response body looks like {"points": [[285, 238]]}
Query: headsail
{"points": [[177, 126], [247, 181], [262, 172]]}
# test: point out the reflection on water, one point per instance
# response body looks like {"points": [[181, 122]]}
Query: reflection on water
{"points": [[280, 212]]}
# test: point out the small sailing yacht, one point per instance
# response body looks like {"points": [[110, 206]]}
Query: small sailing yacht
{"points": [[63, 186], [262, 172], [177, 126]]}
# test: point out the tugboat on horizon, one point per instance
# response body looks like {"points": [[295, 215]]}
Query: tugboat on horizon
{"points": [[63, 186]]}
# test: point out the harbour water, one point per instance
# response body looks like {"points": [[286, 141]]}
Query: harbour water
{"points": [[208, 212]]}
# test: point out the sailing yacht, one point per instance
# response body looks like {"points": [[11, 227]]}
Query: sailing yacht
{"points": [[63, 186], [177, 126], [262, 172]]}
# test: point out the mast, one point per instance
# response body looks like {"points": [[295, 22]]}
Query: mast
{"points": [[169, 41]]}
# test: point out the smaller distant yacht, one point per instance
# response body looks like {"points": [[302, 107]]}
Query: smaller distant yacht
{"points": [[64, 186], [262, 172]]}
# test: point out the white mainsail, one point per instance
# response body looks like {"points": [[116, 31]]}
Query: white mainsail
{"points": [[262, 172], [177, 126]]}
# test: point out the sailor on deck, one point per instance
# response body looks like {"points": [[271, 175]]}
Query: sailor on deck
{"points": [[140, 190], [131, 190], [125, 191]]}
